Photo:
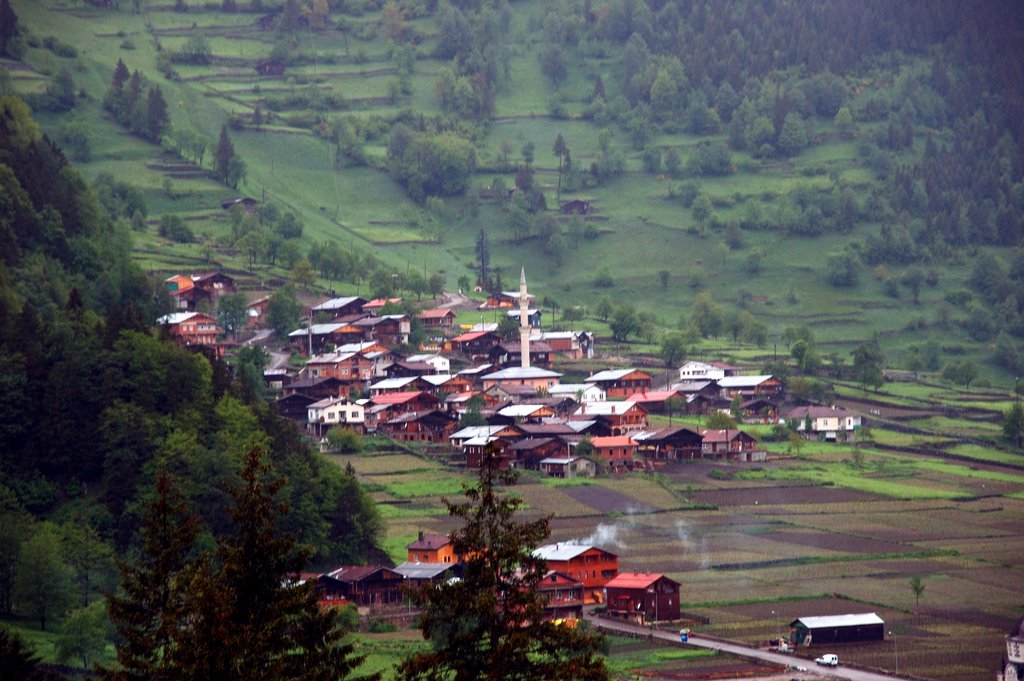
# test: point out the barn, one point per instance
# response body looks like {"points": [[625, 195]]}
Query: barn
{"points": [[837, 629]]}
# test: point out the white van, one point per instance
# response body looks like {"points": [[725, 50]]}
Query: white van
{"points": [[829, 660]]}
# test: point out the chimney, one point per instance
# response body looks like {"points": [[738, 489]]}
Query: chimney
{"points": [[421, 535]]}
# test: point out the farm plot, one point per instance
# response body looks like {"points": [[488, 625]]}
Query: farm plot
{"points": [[789, 494]]}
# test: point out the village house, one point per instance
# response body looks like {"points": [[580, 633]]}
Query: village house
{"points": [[388, 330], [402, 368], [441, 318], [384, 407], [340, 307], [562, 595], [475, 344], [247, 203], [529, 452], [710, 371], [592, 566], [539, 379], [432, 425], [294, 407], [533, 317], [622, 418], [317, 337], [615, 452], [750, 386], [523, 413], [642, 597], [334, 411], [829, 424], [513, 394], [568, 467], [498, 446], [730, 444], [419, 575], [621, 382], [668, 444], [350, 367], [199, 289], [191, 328], [377, 304], [669, 401], [256, 313], [506, 299], [369, 586], [441, 364], [581, 392], [570, 344], [394, 385], [431, 548], [509, 354], [319, 387], [445, 384], [477, 372]]}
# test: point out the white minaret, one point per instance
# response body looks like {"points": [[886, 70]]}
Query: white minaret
{"points": [[524, 321]]}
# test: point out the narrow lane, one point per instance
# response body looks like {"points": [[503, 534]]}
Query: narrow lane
{"points": [[840, 672]]}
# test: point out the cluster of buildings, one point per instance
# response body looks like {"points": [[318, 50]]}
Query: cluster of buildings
{"points": [[577, 575], [355, 377]]}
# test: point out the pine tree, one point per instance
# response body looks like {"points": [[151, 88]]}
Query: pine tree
{"points": [[8, 25], [152, 607], [113, 101], [250, 620], [490, 625], [156, 114], [225, 152]]}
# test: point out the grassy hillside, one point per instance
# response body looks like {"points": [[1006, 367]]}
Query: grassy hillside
{"points": [[644, 225]]}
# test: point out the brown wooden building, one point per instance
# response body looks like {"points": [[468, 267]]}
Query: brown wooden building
{"points": [[643, 597]]}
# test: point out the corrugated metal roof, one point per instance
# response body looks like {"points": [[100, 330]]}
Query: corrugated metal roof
{"points": [[521, 372], [422, 570], [827, 621], [561, 551]]}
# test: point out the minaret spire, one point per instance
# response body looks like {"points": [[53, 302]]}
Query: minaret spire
{"points": [[524, 321]]}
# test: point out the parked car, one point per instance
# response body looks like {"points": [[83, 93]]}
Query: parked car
{"points": [[828, 660]]}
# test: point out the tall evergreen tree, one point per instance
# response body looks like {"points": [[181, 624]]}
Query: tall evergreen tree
{"points": [[225, 153], [249, 618], [489, 625], [8, 26], [156, 114], [150, 611]]}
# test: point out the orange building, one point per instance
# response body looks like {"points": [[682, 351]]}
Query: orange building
{"points": [[592, 566], [431, 548], [614, 452], [191, 328]]}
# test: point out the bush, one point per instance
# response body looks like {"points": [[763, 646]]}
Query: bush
{"points": [[174, 228]]}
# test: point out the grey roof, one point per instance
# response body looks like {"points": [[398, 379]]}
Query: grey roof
{"points": [[742, 381], [316, 330], [337, 303], [608, 375], [827, 621], [513, 373], [393, 383], [422, 570], [563, 551]]}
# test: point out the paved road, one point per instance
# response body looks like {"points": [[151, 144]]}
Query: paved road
{"points": [[840, 672]]}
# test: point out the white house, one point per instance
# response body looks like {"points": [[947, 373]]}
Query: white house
{"points": [[831, 424], [705, 371], [334, 411], [442, 365], [581, 392]]}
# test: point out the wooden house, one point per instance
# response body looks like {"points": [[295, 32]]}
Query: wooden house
{"points": [[568, 467], [750, 386], [828, 424], [622, 418], [388, 330], [503, 393], [432, 425], [535, 377], [524, 413], [621, 383], [615, 452], [369, 586], [294, 407], [431, 548], [419, 575], [642, 597], [350, 367], [669, 401], [668, 444], [506, 299], [576, 207], [440, 318], [271, 68], [529, 452], [592, 566], [510, 354], [317, 387], [191, 328], [377, 304], [329, 412], [477, 448], [581, 392], [563, 596], [475, 343], [730, 444], [706, 371], [340, 307], [571, 344]]}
